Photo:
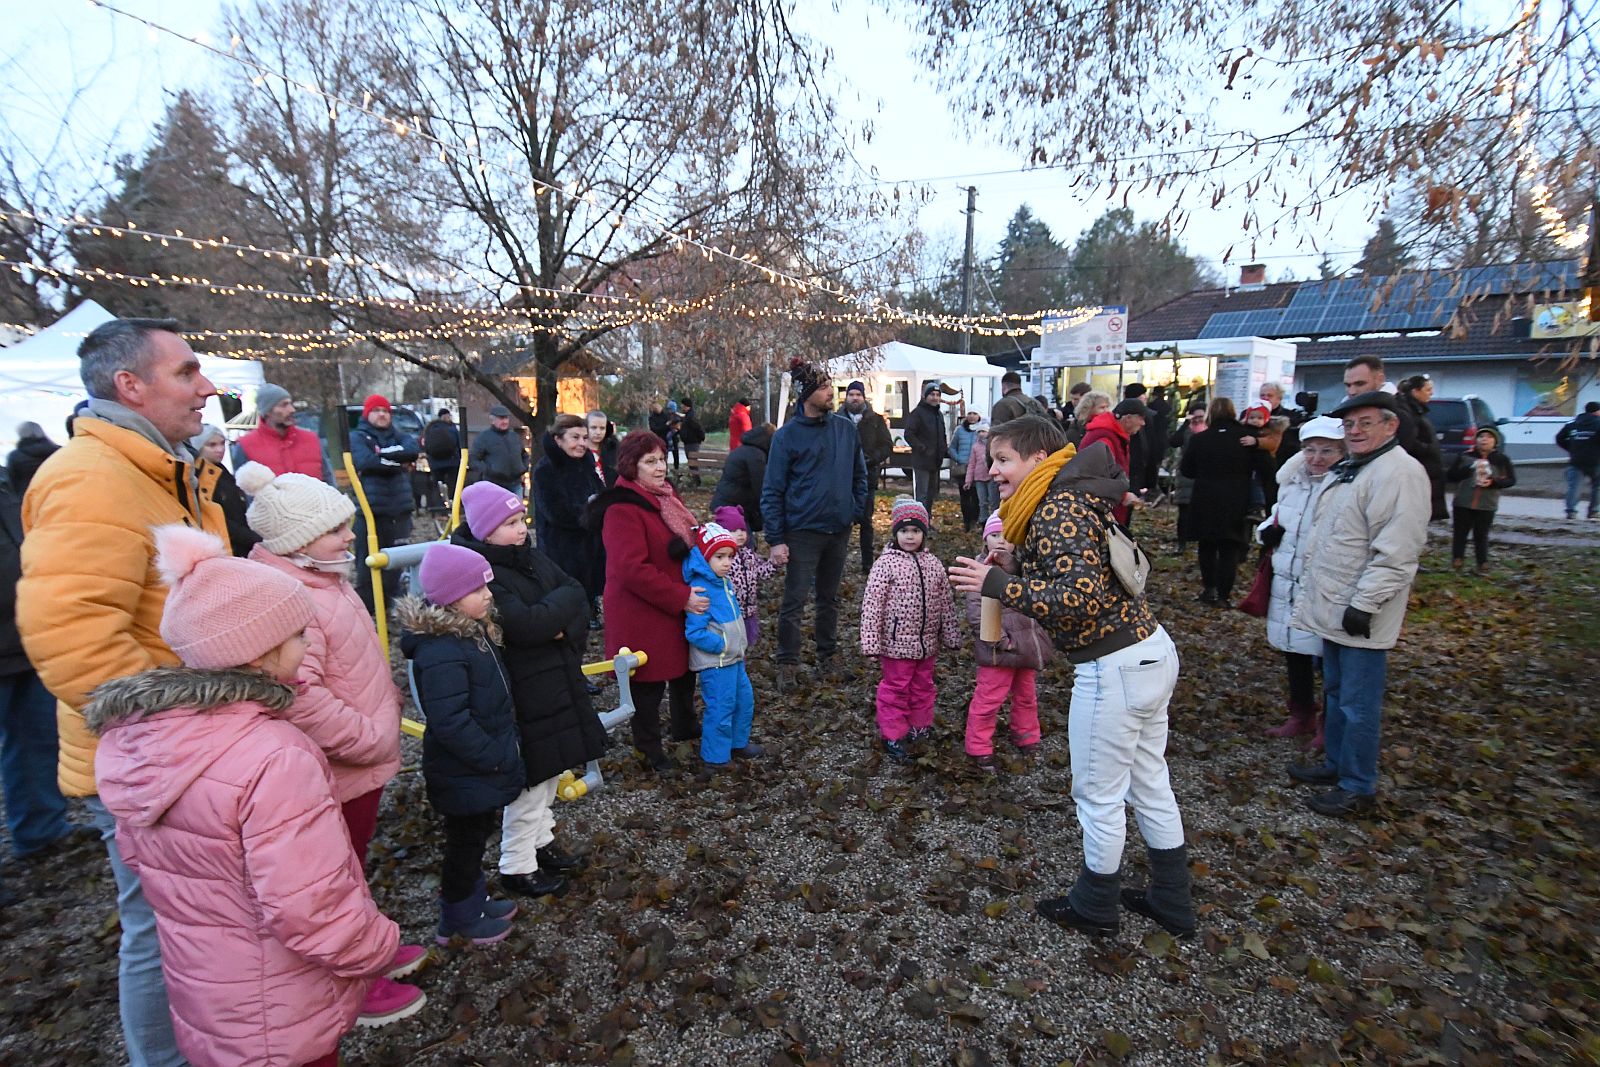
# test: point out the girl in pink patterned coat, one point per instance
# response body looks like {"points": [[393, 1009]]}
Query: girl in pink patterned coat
{"points": [[907, 612], [749, 570]]}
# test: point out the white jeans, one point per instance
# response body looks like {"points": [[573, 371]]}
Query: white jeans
{"points": [[527, 826], [1117, 728]]}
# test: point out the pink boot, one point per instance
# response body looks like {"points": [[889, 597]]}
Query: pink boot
{"points": [[1315, 744], [1301, 721], [389, 1001]]}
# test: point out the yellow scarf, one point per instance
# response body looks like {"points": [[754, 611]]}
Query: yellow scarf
{"points": [[1016, 512]]}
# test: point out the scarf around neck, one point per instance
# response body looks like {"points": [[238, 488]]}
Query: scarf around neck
{"points": [[677, 516], [1016, 512]]}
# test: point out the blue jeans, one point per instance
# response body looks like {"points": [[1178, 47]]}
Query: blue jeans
{"points": [[141, 989], [1575, 478], [36, 812], [988, 498], [1353, 680], [730, 705], [925, 487]]}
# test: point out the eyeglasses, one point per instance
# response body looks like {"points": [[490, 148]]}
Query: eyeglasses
{"points": [[1364, 424]]}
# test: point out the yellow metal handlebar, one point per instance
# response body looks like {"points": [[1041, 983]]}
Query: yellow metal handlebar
{"points": [[414, 728]]}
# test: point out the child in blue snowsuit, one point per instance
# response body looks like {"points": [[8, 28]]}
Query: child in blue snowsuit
{"points": [[717, 645]]}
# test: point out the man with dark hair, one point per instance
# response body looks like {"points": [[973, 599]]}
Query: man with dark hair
{"points": [[1580, 439], [1364, 374], [1013, 402], [1369, 529], [90, 599], [877, 445], [924, 430], [814, 488]]}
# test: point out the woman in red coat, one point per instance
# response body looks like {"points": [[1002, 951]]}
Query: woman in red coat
{"points": [[646, 530]]}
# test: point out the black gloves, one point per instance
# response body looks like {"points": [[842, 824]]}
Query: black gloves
{"points": [[1357, 623], [1272, 537]]}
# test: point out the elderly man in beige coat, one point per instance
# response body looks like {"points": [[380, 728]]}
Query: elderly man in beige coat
{"points": [[1368, 531]]}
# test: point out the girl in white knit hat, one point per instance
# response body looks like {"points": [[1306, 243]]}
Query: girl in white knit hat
{"points": [[348, 703]]}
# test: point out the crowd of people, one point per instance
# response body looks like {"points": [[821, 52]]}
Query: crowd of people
{"points": [[230, 718]]}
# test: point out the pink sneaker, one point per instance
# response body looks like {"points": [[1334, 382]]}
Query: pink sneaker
{"points": [[390, 1001], [408, 959]]}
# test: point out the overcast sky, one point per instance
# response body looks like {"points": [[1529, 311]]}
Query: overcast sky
{"points": [[131, 71]]}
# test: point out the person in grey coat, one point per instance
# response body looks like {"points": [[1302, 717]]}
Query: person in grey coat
{"points": [[497, 454]]}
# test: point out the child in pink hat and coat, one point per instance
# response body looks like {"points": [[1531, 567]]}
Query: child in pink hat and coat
{"points": [[269, 936], [1008, 667]]}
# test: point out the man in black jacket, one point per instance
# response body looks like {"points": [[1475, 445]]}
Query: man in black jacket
{"points": [[497, 453], [1580, 439], [925, 434], [441, 443], [36, 813], [877, 445]]}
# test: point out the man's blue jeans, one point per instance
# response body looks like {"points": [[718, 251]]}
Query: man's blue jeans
{"points": [[36, 813], [141, 989], [1575, 479], [1353, 681]]}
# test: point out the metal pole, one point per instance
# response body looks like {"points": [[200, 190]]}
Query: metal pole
{"points": [[966, 269], [766, 390]]}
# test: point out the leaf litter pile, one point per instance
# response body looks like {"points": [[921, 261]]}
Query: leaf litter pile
{"points": [[827, 907]]}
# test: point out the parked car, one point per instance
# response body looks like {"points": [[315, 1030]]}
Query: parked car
{"points": [[1457, 419]]}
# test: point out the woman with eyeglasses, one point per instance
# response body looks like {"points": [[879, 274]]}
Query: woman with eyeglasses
{"points": [[1286, 535]]}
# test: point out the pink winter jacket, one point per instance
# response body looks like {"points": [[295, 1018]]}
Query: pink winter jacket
{"points": [[349, 705], [908, 607], [269, 937]]}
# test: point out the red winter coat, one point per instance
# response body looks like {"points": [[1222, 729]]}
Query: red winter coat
{"points": [[292, 451], [908, 608], [645, 591], [738, 423], [1105, 427]]}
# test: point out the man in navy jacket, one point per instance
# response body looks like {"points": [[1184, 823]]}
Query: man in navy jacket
{"points": [[815, 486]]}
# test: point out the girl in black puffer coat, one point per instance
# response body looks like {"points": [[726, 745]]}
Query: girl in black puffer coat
{"points": [[544, 616], [563, 483], [743, 474]]}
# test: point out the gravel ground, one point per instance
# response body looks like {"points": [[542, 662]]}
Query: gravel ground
{"points": [[825, 907]]}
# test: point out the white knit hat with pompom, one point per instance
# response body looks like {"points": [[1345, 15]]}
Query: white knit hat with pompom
{"points": [[223, 611], [291, 510]]}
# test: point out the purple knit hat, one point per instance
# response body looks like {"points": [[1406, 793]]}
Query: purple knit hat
{"points": [[449, 572], [486, 506], [730, 517]]}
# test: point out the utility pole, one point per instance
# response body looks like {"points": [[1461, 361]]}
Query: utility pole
{"points": [[966, 269]]}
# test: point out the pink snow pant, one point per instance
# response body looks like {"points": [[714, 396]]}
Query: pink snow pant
{"points": [[994, 685], [905, 696]]}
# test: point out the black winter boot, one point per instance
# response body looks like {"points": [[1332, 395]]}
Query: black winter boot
{"points": [[1169, 901], [1091, 906]]}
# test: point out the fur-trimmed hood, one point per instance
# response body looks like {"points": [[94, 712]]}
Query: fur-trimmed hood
{"points": [[420, 617], [165, 688]]}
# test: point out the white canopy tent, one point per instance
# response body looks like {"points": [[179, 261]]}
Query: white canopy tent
{"points": [[894, 372], [39, 379]]}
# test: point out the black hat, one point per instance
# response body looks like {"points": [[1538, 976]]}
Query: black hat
{"points": [[856, 387], [930, 386], [1131, 407], [1375, 399], [807, 378]]}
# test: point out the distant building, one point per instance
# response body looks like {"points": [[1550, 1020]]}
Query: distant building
{"points": [[1500, 333]]}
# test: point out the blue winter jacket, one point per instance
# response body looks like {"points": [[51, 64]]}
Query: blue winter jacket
{"points": [[716, 636], [816, 477], [381, 457], [961, 445]]}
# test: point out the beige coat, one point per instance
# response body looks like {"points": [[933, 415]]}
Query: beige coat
{"points": [[1362, 550]]}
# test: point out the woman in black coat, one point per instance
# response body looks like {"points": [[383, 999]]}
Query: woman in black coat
{"points": [[743, 474], [563, 483], [1415, 392], [1222, 468]]}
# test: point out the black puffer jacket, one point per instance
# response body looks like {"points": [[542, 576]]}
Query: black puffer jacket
{"points": [[13, 660], [1424, 448], [382, 458], [471, 755], [234, 507], [535, 602], [924, 432], [25, 459], [742, 475], [1222, 470], [562, 487]]}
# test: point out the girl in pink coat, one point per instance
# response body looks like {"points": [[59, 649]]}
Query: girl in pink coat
{"points": [[269, 936], [347, 701], [906, 613]]}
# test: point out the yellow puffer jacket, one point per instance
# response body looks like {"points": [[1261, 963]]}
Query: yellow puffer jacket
{"points": [[89, 602]]}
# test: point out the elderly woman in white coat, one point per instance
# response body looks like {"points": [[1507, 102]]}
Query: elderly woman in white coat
{"points": [[1286, 533]]}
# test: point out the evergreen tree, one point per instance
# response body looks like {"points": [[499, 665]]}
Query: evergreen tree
{"points": [[1030, 267], [1119, 261], [1384, 253]]}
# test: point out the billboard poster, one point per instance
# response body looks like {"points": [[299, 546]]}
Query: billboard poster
{"points": [[1100, 340]]}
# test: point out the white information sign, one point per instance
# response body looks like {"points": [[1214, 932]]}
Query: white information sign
{"points": [[1098, 341]]}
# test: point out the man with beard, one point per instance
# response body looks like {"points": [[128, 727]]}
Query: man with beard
{"points": [[877, 445]]}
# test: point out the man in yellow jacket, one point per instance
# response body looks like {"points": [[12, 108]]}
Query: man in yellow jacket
{"points": [[89, 602]]}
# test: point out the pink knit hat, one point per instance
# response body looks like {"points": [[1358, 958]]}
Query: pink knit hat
{"points": [[486, 506], [449, 572], [993, 525], [907, 511], [223, 611]]}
